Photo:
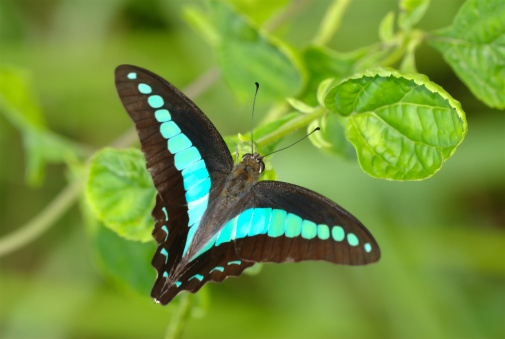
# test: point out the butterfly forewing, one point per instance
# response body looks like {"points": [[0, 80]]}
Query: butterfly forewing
{"points": [[185, 155]]}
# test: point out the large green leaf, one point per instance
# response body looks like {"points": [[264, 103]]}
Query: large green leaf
{"points": [[474, 46], [403, 126], [121, 193], [247, 55]]}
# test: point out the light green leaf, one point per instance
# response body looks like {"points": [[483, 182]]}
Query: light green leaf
{"points": [[474, 46], [246, 55], [331, 138], [259, 10], [323, 88], [17, 99], [411, 12], [121, 193], [403, 126], [300, 106], [387, 28]]}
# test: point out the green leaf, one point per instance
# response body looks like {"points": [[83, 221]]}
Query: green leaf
{"points": [[125, 262], [403, 126], [331, 138], [474, 46], [18, 100], [121, 193], [300, 106], [43, 146], [412, 11], [323, 89], [259, 10], [246, 55], [19, 105], [323, 63], [387, 28]]}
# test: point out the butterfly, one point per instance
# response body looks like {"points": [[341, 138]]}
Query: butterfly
{"points": [[213, 219]]}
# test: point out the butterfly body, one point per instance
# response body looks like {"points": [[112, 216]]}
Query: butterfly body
{"points": [[213, 219]]}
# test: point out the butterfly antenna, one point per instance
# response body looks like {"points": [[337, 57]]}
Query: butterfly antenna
{"points": [[252, 117], [236, 151], [282, 149]]}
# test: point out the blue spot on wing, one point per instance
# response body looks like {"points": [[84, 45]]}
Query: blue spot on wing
{"points": [[178, 143], [145, 89], [196, 276], [162, 115], [217, 268]]}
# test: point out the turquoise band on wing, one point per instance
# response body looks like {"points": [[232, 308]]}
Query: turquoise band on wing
{"points": [[275, 223], [187, 159]]}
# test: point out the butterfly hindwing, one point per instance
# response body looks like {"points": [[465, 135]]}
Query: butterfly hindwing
{"points": [[213, 266], [282, 222]]}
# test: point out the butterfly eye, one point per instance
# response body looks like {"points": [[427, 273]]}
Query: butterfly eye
{"points": [[262, 166]]}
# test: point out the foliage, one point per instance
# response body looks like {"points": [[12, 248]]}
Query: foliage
{"points": [[371, 104]]}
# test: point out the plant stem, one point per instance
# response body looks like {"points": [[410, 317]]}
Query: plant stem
{"points": [[291, 126], [43, 221], [174, 329], [331, 22]]}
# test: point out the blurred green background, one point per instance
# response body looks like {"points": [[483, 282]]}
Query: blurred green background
{"points": [[442, 271]]}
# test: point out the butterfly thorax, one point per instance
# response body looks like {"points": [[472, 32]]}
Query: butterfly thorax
{"points": [[237, 185]]}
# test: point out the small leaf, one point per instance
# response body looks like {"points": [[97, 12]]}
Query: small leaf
{"points": [[323, 89], [300, 106], [18, 100], [331, 138], [403, 126], [259, 11], [316, 138], [43, 146], [412, 11], [474, 46], [323, 63], [386, 28], [121, 193]]}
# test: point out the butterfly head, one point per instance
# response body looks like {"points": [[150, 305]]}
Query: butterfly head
{"points": [[254, 161]]}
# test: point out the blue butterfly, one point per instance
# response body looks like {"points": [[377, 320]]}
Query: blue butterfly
{"points": [[212, 218]]}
